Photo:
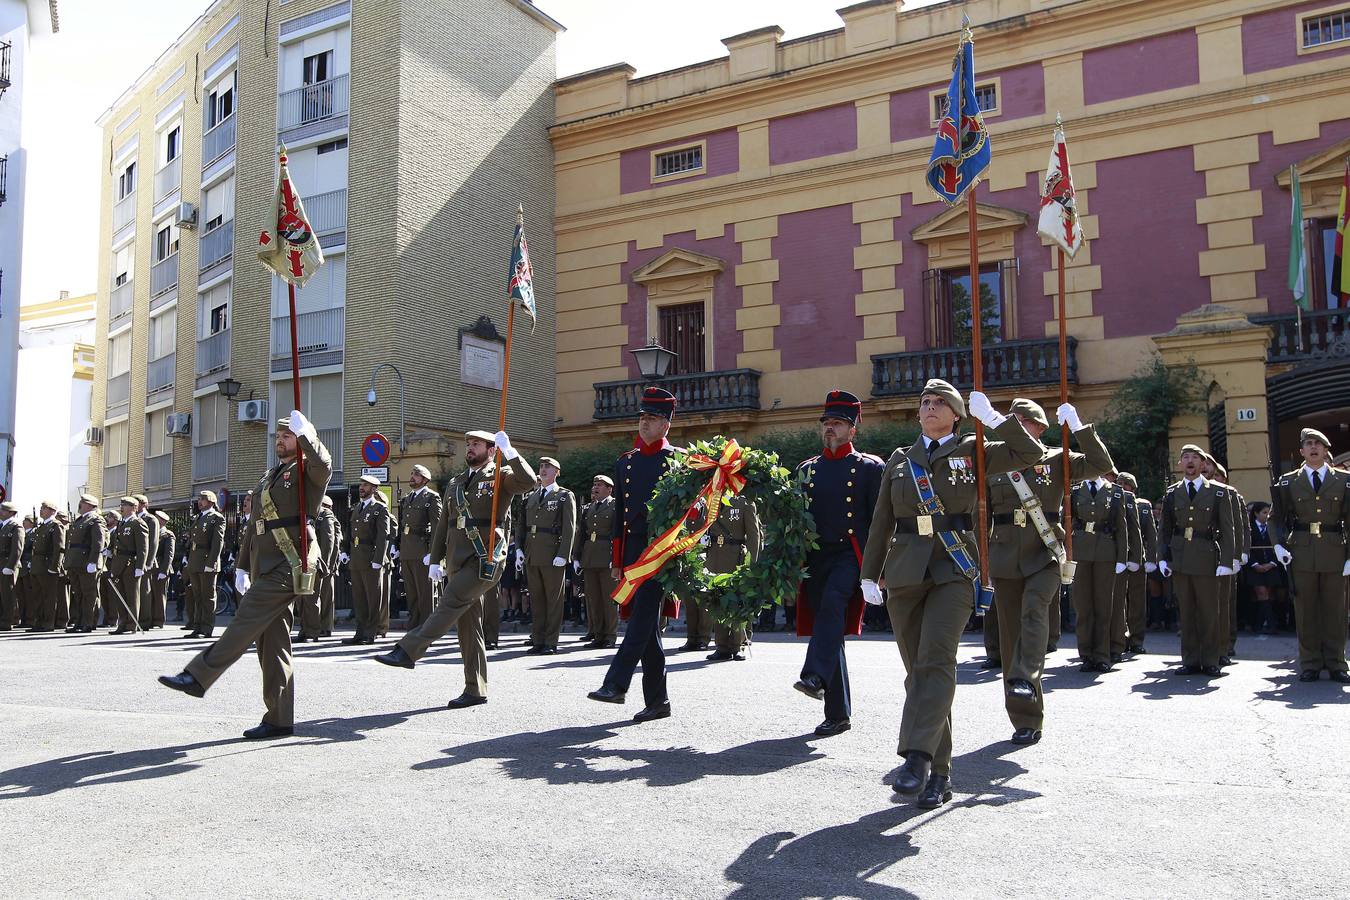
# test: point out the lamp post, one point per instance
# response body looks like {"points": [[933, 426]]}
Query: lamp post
{"points": [[653, 360], [371, 398]]}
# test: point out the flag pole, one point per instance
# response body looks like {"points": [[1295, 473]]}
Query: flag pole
{"points": [[977, 355], [1064, 398], [299, 450], [501, 419]]}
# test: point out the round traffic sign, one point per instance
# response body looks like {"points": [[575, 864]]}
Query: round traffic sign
{"points": [[375, 449]]}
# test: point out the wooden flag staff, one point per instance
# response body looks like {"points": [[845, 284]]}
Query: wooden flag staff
{"points": [[501, 419], [1064, 398], [299, 450], [977, 364]]}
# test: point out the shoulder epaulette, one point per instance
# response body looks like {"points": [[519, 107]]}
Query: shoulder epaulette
{"points": [[808, 462], [1171, 488], [873, 458], [1220, 492]]}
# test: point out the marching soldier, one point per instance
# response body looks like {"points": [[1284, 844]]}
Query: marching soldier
{"points": [[842, 485], [369, 531], [1028, 560], [635, 476], [594, 560], [1101, 547], [328, 532], [49, 548], [1134, 563], [922, 537], [1136, 580], [419, 511], [130, 557], [84, 559], [548, 529], [732, 539], [1196, 544], [12, 539], [163, 568], [464, 559], [276, 575], [1228, 584], [1311, 515], [203, 566], [147, 583]]}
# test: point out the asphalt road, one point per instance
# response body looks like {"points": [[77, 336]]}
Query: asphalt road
{"points": [[1145, 785]]}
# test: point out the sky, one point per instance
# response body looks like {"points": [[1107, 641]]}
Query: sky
{"points": [[105, 45]]}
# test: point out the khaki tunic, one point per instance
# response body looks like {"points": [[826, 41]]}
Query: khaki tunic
{"points": [[419, 514], [595, 551], [732, 540], [548, 531], [12, 537], [131, 551], [1318, 560], [369, 530], [87, 537], [1208, 519]]}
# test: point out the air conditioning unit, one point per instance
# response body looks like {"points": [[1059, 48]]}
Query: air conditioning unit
{"points": [[253, 411], [187, 216], [178, 424], [93, 436]]}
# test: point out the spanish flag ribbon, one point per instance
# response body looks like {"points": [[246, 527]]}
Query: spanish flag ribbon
{"points": [[726, 477]]}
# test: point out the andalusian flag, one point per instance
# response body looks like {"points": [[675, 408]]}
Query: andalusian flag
{"points": [[290, 248], [1340, 278], [520, 286], [1297, 285], [1059, 209]]}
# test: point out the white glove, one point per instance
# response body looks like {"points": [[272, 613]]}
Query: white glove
{"points": [[436, 572], [1244, 559], [107, 551], [1150, 567], [139, 572], [559, 562], [162, 576], [576, 566], [1133, 567], [91, 568], [376, 566], [1120, 567], [1283, 555], [1067, 415], [342, 557], [426, 560], [302, 427], [705, 540], [872, 594], [6, 571], [504, 444], [982, 409], [520, 558], [1164, 568], [1222, 570], [1237, 564], [393, 553], [241, 582], [1345, 570]]}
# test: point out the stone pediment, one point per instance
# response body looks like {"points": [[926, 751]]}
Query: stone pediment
{"points": [[1329, 165], [678, 263], [953, 222]]}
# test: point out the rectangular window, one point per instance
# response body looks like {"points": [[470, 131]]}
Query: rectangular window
{"points": [[122, 261], [948, 297], [681, 330], [163, 333], [126, 181], [1323, 251], [676, 162], [1326, 28], [173, 144], [218, 204], [220, 102], [210, 420], [166, 242], [333, 146], [115, 444], [157, 440], [119, 354], [213, 311], [318, 67], [986, 97], [320, 398]]}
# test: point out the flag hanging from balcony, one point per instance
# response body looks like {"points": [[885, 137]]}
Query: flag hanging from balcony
{"points": [[961, 152], [1296, 262], [1340, 278], [290, 247], [1059, 208], [520, 286]]}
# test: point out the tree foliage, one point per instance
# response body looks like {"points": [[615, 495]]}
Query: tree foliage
{"points": [[1139, 420]]}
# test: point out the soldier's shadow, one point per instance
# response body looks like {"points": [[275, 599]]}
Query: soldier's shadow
{"points": [[1287, 689], [982, 778], [573, 756], [1160, 684], [972, 672], [336, 730], [107, 767]]}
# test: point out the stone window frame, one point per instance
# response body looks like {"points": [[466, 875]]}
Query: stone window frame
{"points": [[1303, 17], [701, 145], [996, 81]]}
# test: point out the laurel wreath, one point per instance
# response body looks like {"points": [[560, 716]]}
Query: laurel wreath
{"points": [[788, 532]]}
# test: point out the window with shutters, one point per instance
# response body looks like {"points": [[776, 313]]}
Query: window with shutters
{"points": [[126, 181], [163, 333], [682, 331], [680, 162], [119, 353], [115, 444], [166, 242], [220, 102], [1323, 28], [210, 420], [948, 299], [157, 440], [986, 97]]}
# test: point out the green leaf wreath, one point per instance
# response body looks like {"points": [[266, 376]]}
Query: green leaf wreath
{"points": [[735, 598]]}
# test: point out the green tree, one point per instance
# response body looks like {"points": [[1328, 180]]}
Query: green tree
{"points": [[1139, 420], [991, 325]]}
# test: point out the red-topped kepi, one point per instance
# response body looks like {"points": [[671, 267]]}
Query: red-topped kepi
{"points": [[842, 405], [658, 402]]}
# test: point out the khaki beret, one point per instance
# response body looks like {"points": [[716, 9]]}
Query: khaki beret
{"points": [[487, 436], [422, 470], [63, 516], [209, 495], [127, 501], [370, 479], [48, 504], [1030, 409], [1192, 448], [90, 499], [1128, 479], [939, 388], [604, 479], [9, 506], [141, 498], [326, 501], [162, 516], [1315, 435], [550, 461]]}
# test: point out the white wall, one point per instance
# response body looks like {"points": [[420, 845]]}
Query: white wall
{"points": [[51, 459], [14, 29]]}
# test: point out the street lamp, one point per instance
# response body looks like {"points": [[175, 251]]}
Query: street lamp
{"points": [[228, 388], [371, 398], [653, 360]]}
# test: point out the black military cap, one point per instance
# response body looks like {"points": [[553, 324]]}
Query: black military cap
{"points": [[658, 402], [842, 405]]}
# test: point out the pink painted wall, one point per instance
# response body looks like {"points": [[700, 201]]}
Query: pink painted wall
{"points": [[726, 295], [1270, 40], [1022, 94], [1155, 63], [818, 132], [816, 286], [723, 157]]}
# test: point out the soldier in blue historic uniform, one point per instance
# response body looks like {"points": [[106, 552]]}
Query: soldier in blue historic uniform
{"points": [[841, 486], [635, 477]]}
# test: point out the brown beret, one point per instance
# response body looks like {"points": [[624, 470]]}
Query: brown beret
{"points": [[939, 388], [1030, 409], [1315, 435]]}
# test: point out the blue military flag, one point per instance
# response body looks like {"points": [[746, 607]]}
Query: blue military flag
{"points": [[961, 151], [520, 286]]}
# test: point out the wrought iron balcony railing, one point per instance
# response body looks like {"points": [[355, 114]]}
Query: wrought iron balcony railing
{"points": [[1322, 331], [4, 176], [731, 389], [218, 141], [1006, 364], [312, 102], [4, 66], [217, 244], [213, 352]]}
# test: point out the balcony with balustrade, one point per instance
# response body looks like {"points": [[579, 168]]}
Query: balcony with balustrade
{"points": [[327, 213], [5, 47], [210, 462], [320, 333], [213, 352], [314, 102], [124, 212], [702, 392], [218, 141], [1006, 364], [115, 480], [168, 179], [4, 177], [164, 275], [160, 374], [159, 471], [216, 245], [1321, 333], [119, 301], [118, 392]]}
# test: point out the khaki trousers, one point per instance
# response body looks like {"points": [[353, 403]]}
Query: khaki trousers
{"points": [[47, 585], [492, 616], [1024, 630], [928, 620], [993, 645], [732, 639], [9, 600], [1319, 611], [386, 576], [1198, 609], [264, 617], [327, 612], [107, 600], [417, 589], [601, 612], [1119, 604], [1227, 602], [460, 607], [83, 598], [129, 607], [147, 598], [365, 597], [1093, 586], [202, 612], [1136, 606], [698, 624], [1056, 616], [159, 589], [546, 583], [309, 608], [65, 612]]}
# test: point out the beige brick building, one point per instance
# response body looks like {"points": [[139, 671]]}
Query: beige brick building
{"points": [[412, 136]]}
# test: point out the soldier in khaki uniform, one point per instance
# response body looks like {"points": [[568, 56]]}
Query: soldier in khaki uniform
{"points": [[369, 530], [594, 561], [25, 591], [130, 557], [84, 560], [203, 566], [1228, 584], [732, 540], [387, 564], [66, 612], [1134, 563], [49, 549], [467, 511], [548, 530], [1197, 543], [12, 537], [147, 583], [1101, 549], [107, 581], [328, 531], [928, 595], [1311, 514], [163, 569], [1027, 570], [275, 578], [1136, 580], [419, 512]]}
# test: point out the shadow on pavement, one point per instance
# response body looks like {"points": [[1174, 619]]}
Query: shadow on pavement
{"points": [[1161, 684], [973, 672], [105, 767], [1287, 689], [570, 756], [354, 728]]}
